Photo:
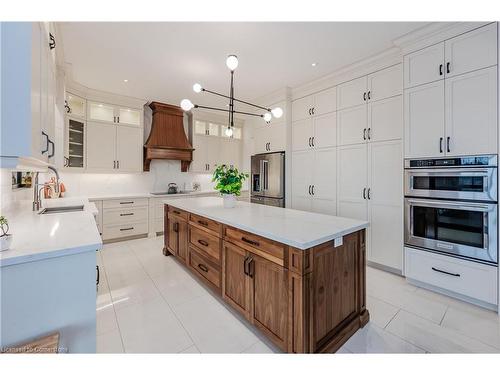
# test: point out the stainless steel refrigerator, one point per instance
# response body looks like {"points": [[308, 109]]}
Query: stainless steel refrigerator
{"points": [[268, 179]]}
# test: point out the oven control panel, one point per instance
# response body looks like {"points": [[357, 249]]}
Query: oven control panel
{"points": [[466, 161]]}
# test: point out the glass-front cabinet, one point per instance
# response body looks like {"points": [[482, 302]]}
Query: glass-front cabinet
{"points": [[75, 105], [74, 153], [108, 113]]}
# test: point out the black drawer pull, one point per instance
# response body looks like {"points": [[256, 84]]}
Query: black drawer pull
{"points": [[98, 275], [127, 202], [203, 222], [445, 272], [176, 227], [176, 212], [124, 229], [129, 214], [203, 267], [251, 242], [202, 242]]}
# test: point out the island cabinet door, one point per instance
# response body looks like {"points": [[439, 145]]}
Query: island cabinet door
{"points": [[235, 283], [182, 238], [172, 239], [269, 298]]}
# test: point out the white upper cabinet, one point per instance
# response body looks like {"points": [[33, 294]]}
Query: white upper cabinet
{"points": [[114, 114], [352, 125], [325, 102], [471, 51], [325, 131], [424, 120], [302, 132], [230, 152], [385, 119], [129, 116], [302, 174], [129, 148], [301, 108], [352, 93], [76, 104], [101, 147], [385, 83], [424, 66], [471, 113], [270, 138], [101, 112]]}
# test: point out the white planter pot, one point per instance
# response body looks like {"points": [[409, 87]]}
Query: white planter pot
{"points": [[229, 200], [5, 242]]}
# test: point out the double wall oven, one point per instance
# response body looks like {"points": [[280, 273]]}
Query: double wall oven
{"points": [[451, 206]]}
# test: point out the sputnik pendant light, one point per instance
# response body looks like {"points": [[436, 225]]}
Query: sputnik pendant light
{"points": [[232, 64]]}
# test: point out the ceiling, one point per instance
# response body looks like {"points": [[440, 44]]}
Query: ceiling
{"points": [[161, 61]]}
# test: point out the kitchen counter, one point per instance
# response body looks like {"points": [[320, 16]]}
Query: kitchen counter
{"points": [[38, 237], [148, 195], [295, 228]]}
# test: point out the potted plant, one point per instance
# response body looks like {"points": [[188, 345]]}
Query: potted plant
{"points": [[5, 237], [228, 181]]}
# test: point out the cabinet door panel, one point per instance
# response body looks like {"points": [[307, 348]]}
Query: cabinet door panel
{"points": [[301, 107], [424, 66], [270, 298], [301, 203], [129, 148], [323, 206], [101, 112], [424, 120], [129, 116], [173, 237], [351, 93], [325, 130], [182, 245], [385, 212], [471, 113], [230, 152], [352, 181], [325, 174], [386, 83], [39, 142], [302, 164], [199, 154], [471, 51], [302, 132], [101, 146], [385, 119], [235, 286], [277, 137], [213, 152], [325, 101], [352, 125]]}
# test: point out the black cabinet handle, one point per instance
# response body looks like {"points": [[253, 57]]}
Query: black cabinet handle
{"points": [[245, 265], [203, 267], [124, 229], [364, 134], [46, 142], [251, 242], [312, 189], [118, 164], [114, 118], [368, 193], [309, 142], [369, 92], [309, 189], [129, 214], [52, 153], [203, 242], [369, 133], [440, 69], [176, 227], [312, 141], [441, 144], [130, 202], [364, 96], [52, 42], [364, 193], [448, 144], [447, 67], [66, 161], [98, 275], [202, 222], [251, 267], [176, 212], [309, 111], [313, 110], [445, 272], [114, 165], [118, 118]]}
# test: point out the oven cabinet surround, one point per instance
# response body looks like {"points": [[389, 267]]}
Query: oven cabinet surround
{"points": [[450, 96], [304, 300]]}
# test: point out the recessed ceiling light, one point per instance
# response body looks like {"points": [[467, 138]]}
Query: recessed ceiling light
{"points": [[125, 80], [314, 64]]}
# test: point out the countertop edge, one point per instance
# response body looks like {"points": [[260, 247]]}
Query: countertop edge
{"points": [[300, 246]]}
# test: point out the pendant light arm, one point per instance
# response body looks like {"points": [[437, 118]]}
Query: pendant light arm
{"points": [[236, 100]]}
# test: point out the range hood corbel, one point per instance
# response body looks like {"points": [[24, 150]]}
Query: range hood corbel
{"points": [[167, 139]]}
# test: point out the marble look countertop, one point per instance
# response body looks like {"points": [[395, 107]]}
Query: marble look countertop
{"points": [[299, 229], [98, 197], [38, 237]]}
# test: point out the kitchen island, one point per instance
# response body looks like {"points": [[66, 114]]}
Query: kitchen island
{"points": [[299, 277]]}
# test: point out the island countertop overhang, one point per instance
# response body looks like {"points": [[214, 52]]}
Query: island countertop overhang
{"points": [[299, 229]]}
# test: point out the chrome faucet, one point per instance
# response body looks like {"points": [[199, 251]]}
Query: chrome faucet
{"points": [[37, 188]]}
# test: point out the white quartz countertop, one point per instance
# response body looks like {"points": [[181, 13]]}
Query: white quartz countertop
{"points": [[37, 237], [148, 195], [299, 229]]}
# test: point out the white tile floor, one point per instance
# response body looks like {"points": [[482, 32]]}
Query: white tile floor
{"points": [[149, 303]]}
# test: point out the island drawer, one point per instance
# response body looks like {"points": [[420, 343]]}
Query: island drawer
{"points": [[125, 202], [178, 213], [269, 249], [124, 230], [204, 267], [208, 224], [207, 243]]}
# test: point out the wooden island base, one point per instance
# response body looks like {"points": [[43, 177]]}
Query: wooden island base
{"points": [[305, 301]]}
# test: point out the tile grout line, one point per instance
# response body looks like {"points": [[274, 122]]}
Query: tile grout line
{"points": [[390, 320], [402, 338], [442, 319]]}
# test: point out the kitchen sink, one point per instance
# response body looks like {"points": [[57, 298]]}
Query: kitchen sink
{"points": [[58, 210]]}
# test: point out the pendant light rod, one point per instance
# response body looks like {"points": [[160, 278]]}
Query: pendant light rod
{"points": [[237, 100], [227, 110]]}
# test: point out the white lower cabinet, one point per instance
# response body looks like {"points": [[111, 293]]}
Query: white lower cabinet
{"points": [[370, 188], [124, 218], [469, 280], [314, 180]]}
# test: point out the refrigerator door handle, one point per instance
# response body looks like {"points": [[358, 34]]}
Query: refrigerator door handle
{"points": [[261, 175], [265, 172]]}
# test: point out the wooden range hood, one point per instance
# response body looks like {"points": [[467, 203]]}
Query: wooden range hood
{"points": [[167, 139]]}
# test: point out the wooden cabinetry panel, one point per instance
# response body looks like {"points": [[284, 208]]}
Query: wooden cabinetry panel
{"points": [[172, 211], [205, 242], [235, 284], [206, 224], [204, 267]]}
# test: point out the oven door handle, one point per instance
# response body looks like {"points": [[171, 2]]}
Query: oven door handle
{"points": [[452, 205]]}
